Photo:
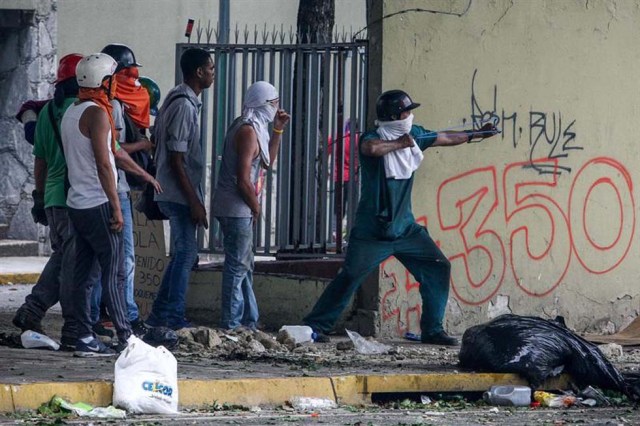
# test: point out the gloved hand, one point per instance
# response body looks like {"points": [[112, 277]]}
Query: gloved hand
{"points": [[37, 211]]}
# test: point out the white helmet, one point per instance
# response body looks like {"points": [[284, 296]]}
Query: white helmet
{"points": [[94, 68]]}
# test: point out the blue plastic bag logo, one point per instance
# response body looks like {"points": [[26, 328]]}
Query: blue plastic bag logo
{"points": [[156, 387]]}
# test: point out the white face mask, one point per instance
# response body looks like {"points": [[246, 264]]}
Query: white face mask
{"points": [[394, 129], [271, 111]]}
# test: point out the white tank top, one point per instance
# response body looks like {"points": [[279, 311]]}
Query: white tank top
{"points": [[86, 191]]}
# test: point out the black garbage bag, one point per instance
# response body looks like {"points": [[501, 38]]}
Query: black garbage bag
{"points": [[537, 349], [161, 336]]}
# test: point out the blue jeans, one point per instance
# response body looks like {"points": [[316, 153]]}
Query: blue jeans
{"points": [[129, 265], [239, 306], [169, 306]]}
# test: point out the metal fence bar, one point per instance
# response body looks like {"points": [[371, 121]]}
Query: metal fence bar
{"points": [[299, 195], [269, 187], [297, 171], [328, 89], [352, 187]]}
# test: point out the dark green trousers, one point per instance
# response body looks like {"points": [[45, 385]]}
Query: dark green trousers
{"points": [[416, 251]]}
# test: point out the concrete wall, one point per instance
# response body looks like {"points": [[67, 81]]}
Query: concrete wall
{"points": [[27, 68], [153, 27], [542, 218]]}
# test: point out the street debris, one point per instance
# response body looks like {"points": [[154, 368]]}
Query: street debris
{"points": [[538, 349], [33, 340], [308, 403], [367, 347], [298, 333], [59, 407], [611, 350], [547, 399], [508, 395]]}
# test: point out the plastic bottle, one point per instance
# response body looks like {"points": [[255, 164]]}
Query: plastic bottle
{"points": [[508, 395], [299, 333], [30, 339]]}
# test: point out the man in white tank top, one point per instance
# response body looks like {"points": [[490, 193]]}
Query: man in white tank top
{"points": [[88, 138]]}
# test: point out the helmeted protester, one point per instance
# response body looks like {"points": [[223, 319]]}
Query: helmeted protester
{"points": [[50, 208], [89, 139], [385, 226], [130, 113], [180, 168], [249, 149]]}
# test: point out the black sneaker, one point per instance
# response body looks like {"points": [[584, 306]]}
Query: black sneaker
{"points": [[25, 321], [95, 348], [67, 344], [139, 328], [101, 330], [119, 347], [440, 338]]}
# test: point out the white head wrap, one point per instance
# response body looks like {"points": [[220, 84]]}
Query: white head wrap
{"points": [[260, 113]]}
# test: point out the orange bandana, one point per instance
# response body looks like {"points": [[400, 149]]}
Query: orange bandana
{"points": [[135, 98], [100, 96]]}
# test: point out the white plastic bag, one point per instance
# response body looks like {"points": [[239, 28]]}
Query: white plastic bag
{"points": [[367, 347], [146, 379]]}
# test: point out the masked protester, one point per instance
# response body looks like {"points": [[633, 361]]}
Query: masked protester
{"points": [[249, 149], [50, 208], [180, 166], [89, 139], [130, 113], [384, 224]]}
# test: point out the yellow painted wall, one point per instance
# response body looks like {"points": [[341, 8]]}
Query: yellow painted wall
{"points": [[541, 219]]}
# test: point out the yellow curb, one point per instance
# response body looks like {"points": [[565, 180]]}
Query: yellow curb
{"points": [[32, 395], [349, 390], [448, 382], [6, 399], [345, 390], [250, 392], [27, 278]]}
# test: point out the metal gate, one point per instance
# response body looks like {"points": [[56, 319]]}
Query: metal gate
{"points": [[323, 87]]}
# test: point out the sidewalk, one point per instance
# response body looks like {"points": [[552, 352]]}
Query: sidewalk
{"points": [[31, 377], [21, 270]]}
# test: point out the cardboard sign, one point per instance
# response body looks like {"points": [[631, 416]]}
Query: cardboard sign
{"points": [[151, 258]]}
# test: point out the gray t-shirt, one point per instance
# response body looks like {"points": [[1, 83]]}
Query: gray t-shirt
{"points": [[227, 200], [118, 120], [176, 130]]}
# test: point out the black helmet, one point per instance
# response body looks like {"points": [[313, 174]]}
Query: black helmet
{"points": [[392, 103], [122, 54]]}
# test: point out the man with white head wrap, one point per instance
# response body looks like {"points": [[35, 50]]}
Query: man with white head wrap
{"points": [[249, 148]]}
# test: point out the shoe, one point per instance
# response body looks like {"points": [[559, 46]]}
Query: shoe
{"points": [[95, 348], [153, 321], [321, 338], [119, 347], [440, 338], [26, 321], [180, 325], [67, 344], [101, 330], [139, 328]]}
